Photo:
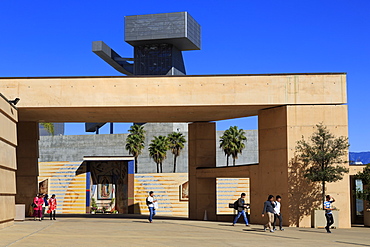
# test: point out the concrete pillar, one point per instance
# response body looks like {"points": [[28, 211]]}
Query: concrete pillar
{"points": [[27, 161], [279, 173], [8, 166], [202, 153]]}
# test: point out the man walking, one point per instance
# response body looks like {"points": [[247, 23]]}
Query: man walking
{"points": [[268, 207], [150, 203], [328, 214], [277, 214], [241, 211]]}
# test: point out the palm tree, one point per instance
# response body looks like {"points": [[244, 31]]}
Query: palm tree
{"points": [[232, 143], [158, 150], [135, 142], [225, 145], [176, 141], [49, 127]]}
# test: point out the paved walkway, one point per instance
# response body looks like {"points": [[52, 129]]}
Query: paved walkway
{"points": [[116, 231]]}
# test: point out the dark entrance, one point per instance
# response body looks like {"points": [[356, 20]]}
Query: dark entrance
{"points": [[110, 184]]}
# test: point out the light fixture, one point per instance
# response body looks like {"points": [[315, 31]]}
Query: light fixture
{"points": [[15, 101]]}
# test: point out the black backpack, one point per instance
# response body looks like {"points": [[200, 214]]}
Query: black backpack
{"points": [[236, 204]]}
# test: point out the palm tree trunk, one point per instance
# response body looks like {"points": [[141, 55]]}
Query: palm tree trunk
{"points": [[157, 167], [135, 164], [174, 163], [227, 160], [233, 161], [161, 167]]}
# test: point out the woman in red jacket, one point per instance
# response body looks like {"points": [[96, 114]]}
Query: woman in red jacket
{"points": [[52, 206], [37, 209]]}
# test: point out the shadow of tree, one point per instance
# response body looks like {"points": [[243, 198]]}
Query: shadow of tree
{"points": [[304, 196]]}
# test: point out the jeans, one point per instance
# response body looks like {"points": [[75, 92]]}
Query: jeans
{"points": [[151, 213], [239, 214], [280, 220], [329, 220]]}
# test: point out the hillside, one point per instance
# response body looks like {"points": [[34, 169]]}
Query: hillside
{"points": [[364, 157]]}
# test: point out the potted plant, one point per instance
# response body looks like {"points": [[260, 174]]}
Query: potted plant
{"points": [[94, 206]]}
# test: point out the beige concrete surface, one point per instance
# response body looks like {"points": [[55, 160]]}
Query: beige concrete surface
{"points": [[27, 163], [8, 166], [154, 98], [202, 153], [169, 232]]}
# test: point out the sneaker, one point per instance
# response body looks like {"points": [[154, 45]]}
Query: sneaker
{"points": [[247, 225], [233, 224], [282, 229], [274, 229], [271, 230], [264, 229]]}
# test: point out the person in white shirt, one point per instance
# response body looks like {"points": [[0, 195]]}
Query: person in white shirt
{"points": [[150, 202], [277, 214]]}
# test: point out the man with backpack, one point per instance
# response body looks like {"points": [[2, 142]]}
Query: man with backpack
{"points": [[150, 202], [240, 206]]}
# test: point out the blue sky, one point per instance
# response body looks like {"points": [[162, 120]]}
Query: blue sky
{"points": [[53, 38]]}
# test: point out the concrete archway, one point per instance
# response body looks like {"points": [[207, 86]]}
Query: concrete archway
{"points": [[288, 106]]}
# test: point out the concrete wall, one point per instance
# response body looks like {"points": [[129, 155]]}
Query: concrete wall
{"points": [[8, 166], [73, 148], [68, 187], [167, 98], [280, 172]]}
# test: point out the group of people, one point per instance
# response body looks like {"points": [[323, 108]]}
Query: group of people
{"points": [[272, 208], [40, 202]]}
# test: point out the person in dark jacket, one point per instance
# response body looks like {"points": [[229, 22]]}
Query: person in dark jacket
{"points": [[241, 210], [268, 207], [46, 203]]}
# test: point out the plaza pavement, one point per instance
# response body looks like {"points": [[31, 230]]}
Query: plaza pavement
{"points": [[137, 231]]}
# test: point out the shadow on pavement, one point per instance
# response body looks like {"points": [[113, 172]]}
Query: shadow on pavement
{"points": [[254, 230], [225, 224], [322, 231]]}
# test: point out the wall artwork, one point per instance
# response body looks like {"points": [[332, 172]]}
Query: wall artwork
{"points": [[105, 187], [44, 186], [184, 191]]}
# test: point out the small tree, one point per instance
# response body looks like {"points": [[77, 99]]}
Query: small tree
{"points": [[158, 150], [135, 142], [232, 143], [364, 175], [323, 155], [176, 144]]}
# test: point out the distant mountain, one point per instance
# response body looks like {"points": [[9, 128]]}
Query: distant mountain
{"points": [[364, 157]]}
